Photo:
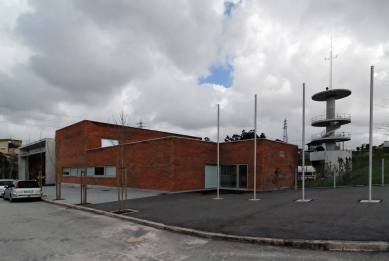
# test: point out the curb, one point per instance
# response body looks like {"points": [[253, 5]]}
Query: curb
{"points": [[332, 245]]}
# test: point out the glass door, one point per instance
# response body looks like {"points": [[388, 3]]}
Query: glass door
{"points": [[242, 176], [228, 177]]}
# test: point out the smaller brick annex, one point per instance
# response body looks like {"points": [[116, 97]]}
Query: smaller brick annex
{"points": [[169, 162]]}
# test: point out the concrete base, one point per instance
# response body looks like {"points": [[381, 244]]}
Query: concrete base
{"points": [[303, 200], [217, 198], [370, 201], [254, 199]]}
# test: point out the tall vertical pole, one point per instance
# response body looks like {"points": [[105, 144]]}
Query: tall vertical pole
{"points": [[255, 149], [370, 131], [303, 145], [371, 140], [303, 152], [218, 152]]}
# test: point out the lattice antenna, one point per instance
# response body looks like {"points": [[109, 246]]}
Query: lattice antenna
{"points": [[331, 58], [285, 127], [141, 124]]}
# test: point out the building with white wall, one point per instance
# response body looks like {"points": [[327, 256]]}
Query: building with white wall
{"points": [[38, 157]]}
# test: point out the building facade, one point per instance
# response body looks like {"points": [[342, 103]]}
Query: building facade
{"points": [[38, 158], [170, 162]]}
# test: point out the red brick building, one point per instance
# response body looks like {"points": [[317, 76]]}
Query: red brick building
{"points": [[164, 161]]}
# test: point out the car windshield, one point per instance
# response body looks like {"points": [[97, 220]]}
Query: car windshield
{"points": [[28, 184], [6, 182]]}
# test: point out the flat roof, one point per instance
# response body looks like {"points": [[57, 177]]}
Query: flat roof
{"points": [[337, 93]]}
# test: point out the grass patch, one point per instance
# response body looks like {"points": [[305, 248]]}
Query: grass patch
{"points": [[359, 174]]}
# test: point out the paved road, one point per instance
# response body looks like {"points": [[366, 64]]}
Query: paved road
{"points": [[41, 231], [334, 214]]}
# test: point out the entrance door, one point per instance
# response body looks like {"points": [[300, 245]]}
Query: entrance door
{"points": [[233, 176], [210, 176], [242, 176]]}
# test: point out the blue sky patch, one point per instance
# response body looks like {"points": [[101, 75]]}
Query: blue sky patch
{"points": [[228, 6], [220, 75]]}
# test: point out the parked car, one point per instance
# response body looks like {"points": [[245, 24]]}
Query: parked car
{"points": [[22, 189], [3, 184]]}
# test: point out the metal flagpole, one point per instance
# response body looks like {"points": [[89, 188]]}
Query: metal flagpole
{"points": [[371, 139], [303, 153], [218, 153], [255, 150]]}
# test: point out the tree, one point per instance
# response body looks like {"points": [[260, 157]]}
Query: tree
{"points": [[123, 122], [243, 136], [277, 177]]}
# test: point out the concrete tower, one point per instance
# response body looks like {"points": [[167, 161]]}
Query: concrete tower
{"points": [[332, 121]]}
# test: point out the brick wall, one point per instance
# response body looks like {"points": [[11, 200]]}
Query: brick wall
{"points": [[162, 162], [189, 158], [268, 160]]}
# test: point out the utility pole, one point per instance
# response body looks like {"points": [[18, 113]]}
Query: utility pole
{"points": [[141, 124], [285, 127]]}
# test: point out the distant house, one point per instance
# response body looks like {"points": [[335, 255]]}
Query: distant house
{"points": [[163, 161], [9, 150], [10, 147], [385, 146]]}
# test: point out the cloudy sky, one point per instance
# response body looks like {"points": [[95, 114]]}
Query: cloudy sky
{"points": [[169, 63]]}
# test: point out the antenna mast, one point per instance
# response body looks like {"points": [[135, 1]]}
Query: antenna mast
{"points": [[285, 127], [331, 58]]}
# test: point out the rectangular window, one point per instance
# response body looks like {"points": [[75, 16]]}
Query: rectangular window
{"points": [[242, 176], [80, 171], [228, 177], [233, 176], [2, 148], [109, 143], [99, 171], [90, 171], [73, 171], [282, 154], [110, 171]]}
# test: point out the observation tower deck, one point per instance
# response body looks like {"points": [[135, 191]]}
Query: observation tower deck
{"points": [[331, 120]]}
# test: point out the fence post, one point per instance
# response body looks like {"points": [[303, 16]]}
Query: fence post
{"points": [[334, 176]]}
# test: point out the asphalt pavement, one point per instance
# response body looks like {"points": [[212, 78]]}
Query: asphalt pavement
{"points": [[333, 214]]}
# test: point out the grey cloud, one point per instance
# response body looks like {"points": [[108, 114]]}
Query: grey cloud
{"points": [[184, 31]]}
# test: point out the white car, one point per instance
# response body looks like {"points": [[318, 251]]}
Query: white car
{"points": [[3, 184], [23, 189]]}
